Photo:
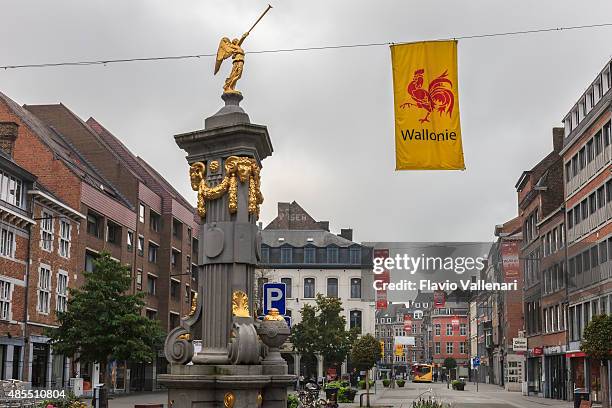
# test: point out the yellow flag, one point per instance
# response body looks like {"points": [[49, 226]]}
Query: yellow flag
{"points": [[399, 350], [426, 103]]}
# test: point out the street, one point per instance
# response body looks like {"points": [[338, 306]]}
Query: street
{"points": [[488, 396]]}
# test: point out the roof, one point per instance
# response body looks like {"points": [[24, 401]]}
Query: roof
{"points": [[143, 169], [300, 238], [63, 150]]}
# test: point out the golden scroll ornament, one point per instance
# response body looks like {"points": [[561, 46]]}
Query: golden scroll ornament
{"points": [[229, 399]]}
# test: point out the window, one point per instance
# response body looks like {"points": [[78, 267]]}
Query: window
{"points": [[332, 287], [437, 329], [177, 228], [175, 320], [7, 243], [332, 255], [260, 283], [449, 348], [463, 329], [89, 261], [5, 300], [154, 221], [265, 254], [355, 288], [309, 288], [175, 289], [113, 233], [141, 212], [44, 290], [61, 302], [438, 348], [151, 314], [287, 282], [11, 190], [309, 255], [140, 245], [286, 255], [462, 348], [153, 252], [355, 320], [449, 329], [64, 240], [93, 224], [139, 279], [355, 256], [130, 241], [175, 258], [151, 284], [46, 231]]}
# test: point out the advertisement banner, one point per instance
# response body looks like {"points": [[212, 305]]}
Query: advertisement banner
{"points": [[510, 260], [384, 276], [439, 299], [426, 104], [408, 323]]}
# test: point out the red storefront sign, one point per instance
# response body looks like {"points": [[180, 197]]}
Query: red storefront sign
{"points": [[537, 351], [407, 323], [576, 354]]}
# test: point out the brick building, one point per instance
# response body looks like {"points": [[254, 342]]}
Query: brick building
{"points": [[450, 333], [410, 320], [88, 193], [587, 161], [540, 194]]}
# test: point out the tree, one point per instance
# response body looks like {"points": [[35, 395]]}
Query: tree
{"points": [[103, 323], [364, 355], [450, 364], [323, 331], [596, 344]]}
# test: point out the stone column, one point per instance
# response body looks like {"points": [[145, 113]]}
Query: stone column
{"points": [[319, 366]]}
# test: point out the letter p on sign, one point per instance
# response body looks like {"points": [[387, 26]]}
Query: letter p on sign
{"points": [[274, 297]]}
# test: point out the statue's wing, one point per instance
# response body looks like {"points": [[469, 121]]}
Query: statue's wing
{"points": [[224, 51]]}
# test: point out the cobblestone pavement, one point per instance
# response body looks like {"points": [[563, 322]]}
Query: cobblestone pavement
{"points": [[488, 396]]}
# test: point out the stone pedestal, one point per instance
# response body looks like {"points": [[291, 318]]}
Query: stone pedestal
{"points": [[225, 159]]}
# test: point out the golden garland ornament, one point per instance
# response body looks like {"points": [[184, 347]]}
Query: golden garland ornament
{"points": [[236, 168], [214, 166], [240, 304]]}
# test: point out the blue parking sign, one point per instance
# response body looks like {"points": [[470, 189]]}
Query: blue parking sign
{"points": [[274, 297], [476, 362]]}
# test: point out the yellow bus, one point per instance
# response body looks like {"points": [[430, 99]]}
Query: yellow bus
{"points": [[422, 373]]}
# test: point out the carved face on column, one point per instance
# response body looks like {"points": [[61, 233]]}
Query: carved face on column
{"points": [[196, 174], [244, 170]]}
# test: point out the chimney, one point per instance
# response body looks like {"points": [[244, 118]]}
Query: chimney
{"points": [[346, 233], [8, 135], [558, 136]]}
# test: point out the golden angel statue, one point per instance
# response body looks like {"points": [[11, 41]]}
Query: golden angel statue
{"points": [[233, 49]]}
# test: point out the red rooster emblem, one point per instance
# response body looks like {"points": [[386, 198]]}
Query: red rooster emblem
{"points": [[439, 94]]}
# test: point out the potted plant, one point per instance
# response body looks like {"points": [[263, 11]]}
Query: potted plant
{"points": [[400, 383], [347, 394], [386, 383], [361, 384], [458, 385], [331, 390]]}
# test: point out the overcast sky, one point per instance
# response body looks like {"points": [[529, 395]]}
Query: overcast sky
{"points": [[329, 113]]}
